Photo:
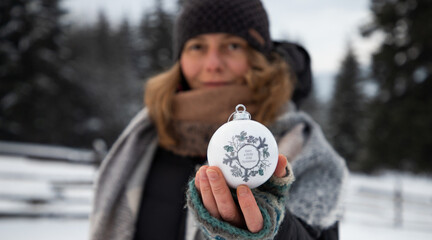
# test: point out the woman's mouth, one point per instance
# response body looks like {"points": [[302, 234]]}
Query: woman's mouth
{"points": [[215, 84]]}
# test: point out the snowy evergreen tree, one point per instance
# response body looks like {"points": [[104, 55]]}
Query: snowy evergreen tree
{"points": [[104, 40], [132, 95], [315, 107], [400, 132], [345, 113], [38, 100], [155, 48], [103, 65]]}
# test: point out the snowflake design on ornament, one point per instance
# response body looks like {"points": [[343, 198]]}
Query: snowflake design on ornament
{"points": [[247, 156]]}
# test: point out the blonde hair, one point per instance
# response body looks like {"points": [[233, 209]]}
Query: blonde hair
{"points": [[272, 83]]}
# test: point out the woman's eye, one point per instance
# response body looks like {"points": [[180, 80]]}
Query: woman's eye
{"points": [[234, 46], [195, 47]]}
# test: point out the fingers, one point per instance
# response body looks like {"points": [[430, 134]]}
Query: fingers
{"points": [[281, 166], [225, 203], [218, 201], [207, 194], [197, 185], [250, 209]]}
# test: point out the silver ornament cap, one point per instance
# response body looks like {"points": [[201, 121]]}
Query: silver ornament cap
{"points": [[244, 150]]}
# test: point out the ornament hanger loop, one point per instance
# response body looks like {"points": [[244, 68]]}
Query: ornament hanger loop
{"points": [[240, 106], [240, 114]]}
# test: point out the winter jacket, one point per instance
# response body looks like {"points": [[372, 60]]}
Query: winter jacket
{"points": [[313, 203]]}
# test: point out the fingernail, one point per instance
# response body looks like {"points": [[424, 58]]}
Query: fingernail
{"points": [[242, 191], [212, 174], [203, 174]]}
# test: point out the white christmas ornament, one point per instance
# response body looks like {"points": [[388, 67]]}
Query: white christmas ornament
{"points": [[244, 150]]}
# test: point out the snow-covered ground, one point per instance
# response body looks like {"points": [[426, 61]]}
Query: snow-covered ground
{"points": [[35, 188], [374, 210]]}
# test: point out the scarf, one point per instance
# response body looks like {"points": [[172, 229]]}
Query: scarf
{"points": [[315, 196], [197, 114]]}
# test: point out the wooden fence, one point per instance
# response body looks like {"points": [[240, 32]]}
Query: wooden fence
{"points": [[39, 181], [390, 201]]}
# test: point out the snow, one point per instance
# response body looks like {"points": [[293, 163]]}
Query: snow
{"points": [[376, 232], [371, 207], [43, 229], [44, 188], [45, 169], [62, 189]]}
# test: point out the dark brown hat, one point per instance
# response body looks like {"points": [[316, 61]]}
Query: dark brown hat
{"points": [[244, 18]]}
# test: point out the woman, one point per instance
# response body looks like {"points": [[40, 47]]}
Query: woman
{"points": [[224, 57]]}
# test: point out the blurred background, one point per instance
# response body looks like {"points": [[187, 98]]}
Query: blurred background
{"points": [[72, 74]]}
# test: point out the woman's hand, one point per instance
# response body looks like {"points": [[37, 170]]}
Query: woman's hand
{"points": [[218, 201]]}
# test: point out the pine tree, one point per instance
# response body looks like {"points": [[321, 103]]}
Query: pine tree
{"points": [[38, 100], [131, 96], [103, 66], [345, 115], [103, 40], [315, 107], [155, 49], [400, 132]]}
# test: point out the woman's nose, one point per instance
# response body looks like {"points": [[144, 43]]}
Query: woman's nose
{"points": [[213, 61]]}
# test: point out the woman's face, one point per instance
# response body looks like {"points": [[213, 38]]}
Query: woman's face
{"points": [[213, 60]]}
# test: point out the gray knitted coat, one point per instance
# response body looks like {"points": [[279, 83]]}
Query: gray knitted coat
{"points": [[315, 196]]}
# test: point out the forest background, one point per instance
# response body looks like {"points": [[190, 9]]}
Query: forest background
{"points": [[76, 85]]}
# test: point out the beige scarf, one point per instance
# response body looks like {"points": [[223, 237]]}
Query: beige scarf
{"points": [[199, 113]]}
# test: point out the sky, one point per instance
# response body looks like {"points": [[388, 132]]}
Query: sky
{"points": [[325, 28]]}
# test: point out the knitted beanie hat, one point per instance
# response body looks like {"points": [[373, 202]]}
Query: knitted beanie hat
{"points": [[244, 18]]}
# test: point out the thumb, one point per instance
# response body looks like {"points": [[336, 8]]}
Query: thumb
{"points": [[281, 166]]}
